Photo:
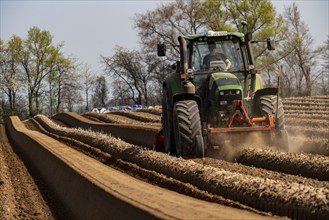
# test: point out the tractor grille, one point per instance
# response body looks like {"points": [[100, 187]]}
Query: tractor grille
{"points": [[230, 95], [227, 97]]}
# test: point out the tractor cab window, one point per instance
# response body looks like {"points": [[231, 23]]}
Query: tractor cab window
{"points": [[211, 55]]}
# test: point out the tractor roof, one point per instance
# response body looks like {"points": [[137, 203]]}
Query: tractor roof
{"points": [[214, 34]]}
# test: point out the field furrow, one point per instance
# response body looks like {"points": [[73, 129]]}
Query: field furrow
{"points": [[111, 118], [136, 171], [306, 103], [307, 165], [228, 190], [317, 123], [258, 180], [156, 110], [314, 116], [308, 111], [324, 98], [20, 196], [140, 116], [306, 108]]}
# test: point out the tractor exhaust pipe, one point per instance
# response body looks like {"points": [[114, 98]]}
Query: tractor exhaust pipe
{"points": [[277, 95], [183, 55], [248, 38]]}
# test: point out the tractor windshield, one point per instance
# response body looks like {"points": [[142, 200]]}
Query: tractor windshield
{"points": [[211, 55]]}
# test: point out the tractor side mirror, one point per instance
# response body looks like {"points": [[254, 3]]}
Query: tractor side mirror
{"points": [[161, 50], [270, 44], [248, 37]]}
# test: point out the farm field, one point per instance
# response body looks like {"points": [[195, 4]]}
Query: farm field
{"points": [[256, 183], [307, 121]]}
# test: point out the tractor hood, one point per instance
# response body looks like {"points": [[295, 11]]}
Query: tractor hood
{"points": [[223, 89], [224, 81]]}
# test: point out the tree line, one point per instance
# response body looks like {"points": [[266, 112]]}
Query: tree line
{"points": [[37, 77]]}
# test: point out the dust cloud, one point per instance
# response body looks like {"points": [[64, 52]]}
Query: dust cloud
{"points": [[297, 143], [230, 146]]}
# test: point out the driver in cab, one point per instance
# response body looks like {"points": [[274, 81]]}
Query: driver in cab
{"points": [[214, 55]]}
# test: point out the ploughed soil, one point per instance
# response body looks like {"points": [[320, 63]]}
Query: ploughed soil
{"points": [[249, 182], [20, 197]]}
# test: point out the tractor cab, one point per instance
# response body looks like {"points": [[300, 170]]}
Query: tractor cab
{"points": [[221, 51], [208, 54]]}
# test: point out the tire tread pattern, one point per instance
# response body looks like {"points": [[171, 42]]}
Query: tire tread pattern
{"points": [[188, 127]]}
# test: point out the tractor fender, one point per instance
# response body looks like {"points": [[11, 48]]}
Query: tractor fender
{"points": [[261, 92], [179, 90], [183, 96]]}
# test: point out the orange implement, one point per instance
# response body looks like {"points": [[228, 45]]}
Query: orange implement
{"points": [[241, 122]]}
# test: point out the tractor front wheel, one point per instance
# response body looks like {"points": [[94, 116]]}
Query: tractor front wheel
{"points": [[187, 127]]}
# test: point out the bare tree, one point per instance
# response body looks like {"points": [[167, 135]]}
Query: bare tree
{"points": [[100, 92], [303, 59], [167, 22], [137, 70], [88, 81], [67, 77], [71, 90], [61, 74], [325, 69], [121, 93]]}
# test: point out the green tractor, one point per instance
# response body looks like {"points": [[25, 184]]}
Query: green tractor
{"points": [[208, 101]]}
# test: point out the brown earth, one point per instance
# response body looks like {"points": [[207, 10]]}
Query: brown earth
{"points": [[147, 197], [191, 174], [266, 187], [20, 197]]}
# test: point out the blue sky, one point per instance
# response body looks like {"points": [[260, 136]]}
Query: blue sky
{"points": [[92, 28]]}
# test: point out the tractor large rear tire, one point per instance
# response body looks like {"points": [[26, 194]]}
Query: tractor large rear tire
{"points": [[268, 106], [187, 127], [168, 126]]}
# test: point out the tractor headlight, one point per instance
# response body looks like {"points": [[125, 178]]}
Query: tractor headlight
{"points": [[223, 102], [221, 93], [238, 92]]}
